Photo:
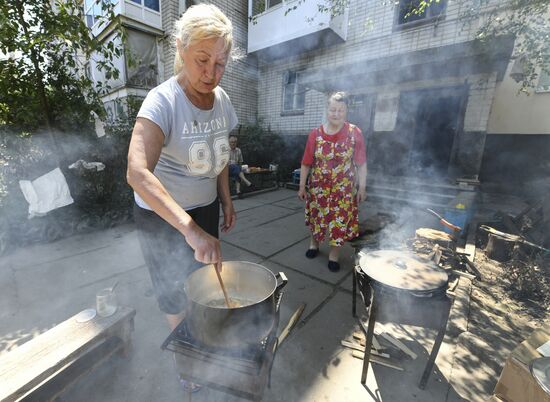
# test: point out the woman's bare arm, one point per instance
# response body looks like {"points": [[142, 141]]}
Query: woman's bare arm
{"points": [[304, 171], [229, 215], [361, 183], [143, 155]]}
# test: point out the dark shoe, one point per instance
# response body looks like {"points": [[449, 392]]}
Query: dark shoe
{"points": [[312, 252], [239, 195], [333, 266]]}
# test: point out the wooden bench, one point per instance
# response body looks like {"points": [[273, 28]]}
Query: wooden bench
{"points": [[263, 179], [259, 176], [41, 368]]}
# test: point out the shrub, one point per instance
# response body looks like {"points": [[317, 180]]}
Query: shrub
{"points": [[262, 147]]}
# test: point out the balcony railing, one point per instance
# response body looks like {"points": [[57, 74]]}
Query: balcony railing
{"points": [[144, 11], [276, 28]]}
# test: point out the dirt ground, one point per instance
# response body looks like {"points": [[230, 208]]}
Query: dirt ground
{"points": [[505, 307]]}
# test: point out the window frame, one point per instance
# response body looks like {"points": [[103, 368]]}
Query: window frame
{"points": [[259, 8], [88, 12], [428, 19], [298, 91], [127, 79], [543, 76]]}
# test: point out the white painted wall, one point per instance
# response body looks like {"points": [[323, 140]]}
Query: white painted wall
{"points": [[273, 27], [513, 113]]}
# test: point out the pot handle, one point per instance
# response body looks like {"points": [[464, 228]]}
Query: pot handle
{"points": [[281, 285]]}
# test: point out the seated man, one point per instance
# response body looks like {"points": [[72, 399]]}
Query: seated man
{"points": [[235, 162]]}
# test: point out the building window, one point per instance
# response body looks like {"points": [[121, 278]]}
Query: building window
{"points": [[408, 13], [92, 11], [259, 6], [294, 94], [141, 60], [544, 81], [151, 4]]}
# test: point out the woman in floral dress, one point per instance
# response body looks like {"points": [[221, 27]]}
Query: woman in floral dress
{"points": [[335, 160]]}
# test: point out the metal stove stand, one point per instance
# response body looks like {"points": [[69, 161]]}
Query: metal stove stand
{"points": [[400, 308], [240, 372]]}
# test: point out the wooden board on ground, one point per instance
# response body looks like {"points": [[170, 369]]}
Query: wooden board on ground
{"points": [[360, 348], [374, 359], [398, 344], [291, 323], [28, 367]]}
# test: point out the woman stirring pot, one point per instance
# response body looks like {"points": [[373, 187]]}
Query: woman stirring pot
{"points": [[177, 160]]}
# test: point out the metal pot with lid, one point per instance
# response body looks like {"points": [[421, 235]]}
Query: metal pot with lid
{"points": [[403, 271]]}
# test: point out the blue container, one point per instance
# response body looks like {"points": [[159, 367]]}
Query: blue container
{"points": [[460, 210], [458, 217], [296, 176]]}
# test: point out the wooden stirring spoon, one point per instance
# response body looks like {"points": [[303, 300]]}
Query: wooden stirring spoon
{"points": [[218, 268]]}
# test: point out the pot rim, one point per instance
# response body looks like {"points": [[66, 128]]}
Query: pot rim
{"points": [[211, 266]]}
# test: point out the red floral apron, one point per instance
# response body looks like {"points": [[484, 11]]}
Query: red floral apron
{"points": [[331, 202]]}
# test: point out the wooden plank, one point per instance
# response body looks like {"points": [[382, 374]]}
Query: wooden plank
{"points": [[375, 343], [464, 274], [398, 344], [26, 367], [374, 359], [293, 320], [361, 348], [360, 336], [52, 388]]}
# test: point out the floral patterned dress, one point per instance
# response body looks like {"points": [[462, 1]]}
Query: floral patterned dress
{"points": [[331, 204]]}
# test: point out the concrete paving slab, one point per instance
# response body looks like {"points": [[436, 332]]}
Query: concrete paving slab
{"points": [[78, 269], [232, 253], [270, 197], [255, 217], [246, 203], [82, 243], [271, 238], [300, 289], [313, 366], [310, 366], [293, 203], [294, 257]]}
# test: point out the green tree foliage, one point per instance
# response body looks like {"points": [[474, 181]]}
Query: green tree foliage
{"points": [[529, 22], [44, 48]]}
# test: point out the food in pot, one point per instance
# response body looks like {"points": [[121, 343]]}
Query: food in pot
{"points": [[233, 303]]}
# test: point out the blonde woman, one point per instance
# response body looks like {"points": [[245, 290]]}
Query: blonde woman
{"points": [[177, 160]]}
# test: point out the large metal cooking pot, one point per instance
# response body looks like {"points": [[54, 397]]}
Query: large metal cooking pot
{"points": [[256, 291]]}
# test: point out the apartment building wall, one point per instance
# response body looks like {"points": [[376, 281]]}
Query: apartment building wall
{"points": [[373, 35], [518, 140], [240, 78]]}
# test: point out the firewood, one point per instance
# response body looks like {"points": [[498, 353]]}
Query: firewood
{"points": [[377, 360], [399, 344], [361, 348], [293, 320]]}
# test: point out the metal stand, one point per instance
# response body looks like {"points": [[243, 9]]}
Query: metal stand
{"points": [[431, 312]]}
